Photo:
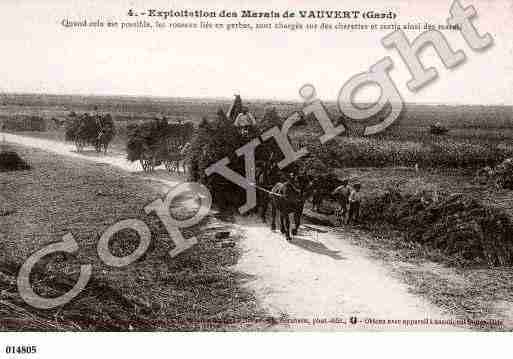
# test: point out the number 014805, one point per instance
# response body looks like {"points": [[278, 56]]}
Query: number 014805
{"points": [[20, 349]]}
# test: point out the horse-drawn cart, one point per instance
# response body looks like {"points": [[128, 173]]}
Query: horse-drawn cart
{"points": [[158, 142], [94, 130]]}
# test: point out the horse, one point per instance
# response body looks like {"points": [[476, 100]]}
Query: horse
{"points": [[148, 163], [184, 153], [172, 162], [322, 187], [148, 159], [102, 141], [288, 198], [266, 179], [174, 159]]}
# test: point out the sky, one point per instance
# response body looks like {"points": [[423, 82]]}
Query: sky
{"points": [[42, 56]]}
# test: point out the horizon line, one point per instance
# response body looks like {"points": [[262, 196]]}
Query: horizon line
{"points": [[225, 98]]}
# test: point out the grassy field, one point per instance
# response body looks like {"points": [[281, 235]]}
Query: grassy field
{"points": [[479, 125], [475, 132], [127, 109], [478, 136], [464, 121], [377, 180], [195, 290]]}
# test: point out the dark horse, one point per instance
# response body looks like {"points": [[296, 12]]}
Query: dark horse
{"points": [[268, 176], [287, 198]]}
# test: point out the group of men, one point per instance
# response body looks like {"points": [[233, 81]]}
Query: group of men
{"points": [[348, 199]]}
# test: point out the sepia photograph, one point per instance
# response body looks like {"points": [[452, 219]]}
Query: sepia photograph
{"points": [[273, 166]]}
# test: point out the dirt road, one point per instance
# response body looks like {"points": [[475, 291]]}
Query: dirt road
{"points": [[67, 149], [318, 275]]}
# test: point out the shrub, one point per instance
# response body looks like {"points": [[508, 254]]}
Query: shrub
{"points": [[355, 151], [457, 225], [25, 123], [11, 161]]}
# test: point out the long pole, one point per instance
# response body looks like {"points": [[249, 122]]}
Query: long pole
{"points": [[265, 190], [3, 135]]}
